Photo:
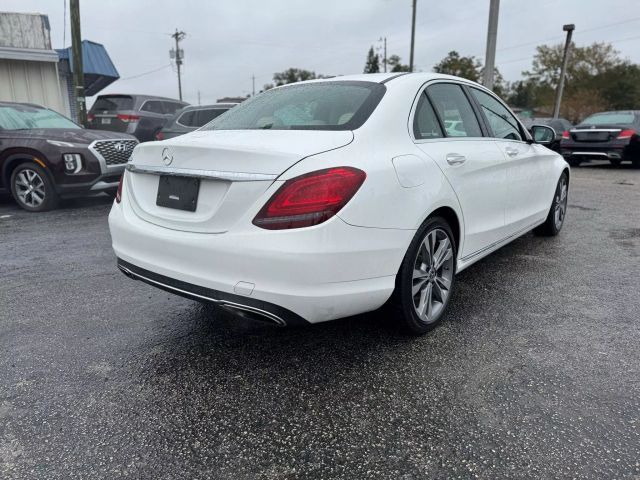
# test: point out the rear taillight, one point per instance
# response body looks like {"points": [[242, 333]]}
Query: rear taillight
{"points": [[626, 134], [119, 192], [310, 199], [160, 136], [90, 117], [128, 118], [565, 134]]}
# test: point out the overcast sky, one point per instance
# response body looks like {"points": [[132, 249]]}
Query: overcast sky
{"points": [[228, 41]]}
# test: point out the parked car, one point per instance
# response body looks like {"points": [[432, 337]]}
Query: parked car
{"points": [[559, 125], [330, 198], [45, 156], [609, 136], [192, 118], [142, 116]]}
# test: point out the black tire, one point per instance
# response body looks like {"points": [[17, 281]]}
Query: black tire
{"points": [[635, 163], [43, 188], [552, 226], [402, 303], [615, 162], [574, 162]]}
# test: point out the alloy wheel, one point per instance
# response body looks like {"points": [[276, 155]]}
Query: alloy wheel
{"points": [[29, 188], [432, 275], [560, 207]]}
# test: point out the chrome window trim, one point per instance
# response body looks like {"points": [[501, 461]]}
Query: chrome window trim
{"points": [[104, 168], [583, 130], [198, 173]]}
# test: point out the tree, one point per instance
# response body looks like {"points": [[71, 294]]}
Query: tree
{"points": [[373, 62], [395, 62], [465, 67], [293, 75]]}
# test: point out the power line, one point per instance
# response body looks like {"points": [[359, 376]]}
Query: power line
{"points": [[146, 73]]}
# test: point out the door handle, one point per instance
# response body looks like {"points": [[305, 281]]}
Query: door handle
{"points": [[455, 159], [512, 152]]}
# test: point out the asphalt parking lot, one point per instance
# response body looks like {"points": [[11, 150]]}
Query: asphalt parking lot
{"points": [[535, 373]]}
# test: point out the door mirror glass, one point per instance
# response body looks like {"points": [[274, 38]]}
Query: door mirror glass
{"points": [[543, 134]]}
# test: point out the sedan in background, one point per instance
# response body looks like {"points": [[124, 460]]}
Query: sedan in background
{"points": [[192, 118], [333, 197], [609, 136], [45, 156], [142, 116]]}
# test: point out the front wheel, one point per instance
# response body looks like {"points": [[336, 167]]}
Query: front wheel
{"points": [[32, 189], [426, 278], [555, 218]]}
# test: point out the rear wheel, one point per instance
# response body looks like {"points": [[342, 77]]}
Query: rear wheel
{"points": [[32, 189], [426, 277], [615, 162], [555, 219]]}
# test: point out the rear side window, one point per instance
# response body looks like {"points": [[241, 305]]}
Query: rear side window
{"points": [[455, 110], [501, 121], [113, 102], [188, 119], [334, 105], [425, 122], [205, 116], [171, 107], [153, 106]]}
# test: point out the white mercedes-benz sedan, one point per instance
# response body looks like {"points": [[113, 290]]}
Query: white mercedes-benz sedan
{"points": [[334, 197]]}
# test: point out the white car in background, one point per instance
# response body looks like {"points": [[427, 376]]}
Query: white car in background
{"points": [[333, 197]]}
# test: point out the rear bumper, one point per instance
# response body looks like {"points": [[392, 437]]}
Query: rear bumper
{"points": [[313, 274], [594, 151]]}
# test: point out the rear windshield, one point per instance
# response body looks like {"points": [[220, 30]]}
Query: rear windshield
{"points": [[25, 117], [121, 102], [610, 118], [336, 105]]}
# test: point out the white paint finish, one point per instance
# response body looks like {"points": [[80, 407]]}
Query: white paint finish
{"points": [[346, 265], [244, 288], [410, 170]]}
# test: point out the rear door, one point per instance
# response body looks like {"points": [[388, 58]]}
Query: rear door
{"points": [[447, 130], [527, 182]]}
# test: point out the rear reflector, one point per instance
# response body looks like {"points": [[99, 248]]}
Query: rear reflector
{"points": [[128, 118], [310, 199], [565, 134], [119, 192], [626, 134]]}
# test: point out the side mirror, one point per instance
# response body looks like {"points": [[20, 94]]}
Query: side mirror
{"points": [[543, 134]]}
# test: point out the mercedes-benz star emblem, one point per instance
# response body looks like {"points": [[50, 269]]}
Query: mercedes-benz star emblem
{"points": [[167, 156]]}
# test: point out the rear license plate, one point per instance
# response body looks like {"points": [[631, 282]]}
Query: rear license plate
{"points": [[106, 121], [180, 193]]}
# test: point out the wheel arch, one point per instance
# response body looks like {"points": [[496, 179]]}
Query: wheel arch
{"points": [[452, 218], [13, 159]]}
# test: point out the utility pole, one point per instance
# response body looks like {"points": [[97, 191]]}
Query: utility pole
{"points": [[178, 55], [492, 34], [384, 59], [413, 36], [253, 85], [563, 71], [199, 97], [78, 72]]}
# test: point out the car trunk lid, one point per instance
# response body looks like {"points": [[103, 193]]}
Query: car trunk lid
{"points": [[600, 133], [234, 169]]}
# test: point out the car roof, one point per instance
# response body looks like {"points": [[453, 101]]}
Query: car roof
{"points": [[11, 104], [387, 77], [141, 97]]}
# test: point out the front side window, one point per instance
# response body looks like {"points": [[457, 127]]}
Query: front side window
{"points": [[24, 117], [455, 110], [188, 118], [338, 105], [425, 122], [501, 121]]}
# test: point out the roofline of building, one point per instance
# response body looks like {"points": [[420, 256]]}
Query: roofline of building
{"points": [[28, 54]]}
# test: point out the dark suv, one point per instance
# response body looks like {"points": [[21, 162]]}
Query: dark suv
{"points": [[142, 116], [45, 156], [192, 118], [612, 136]]}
